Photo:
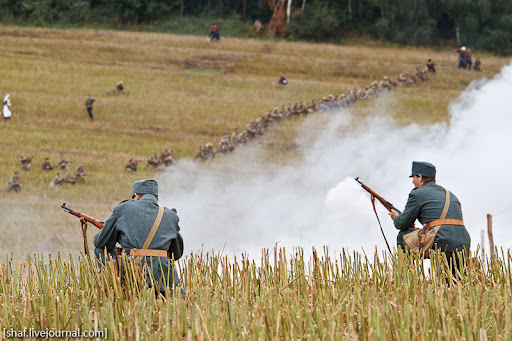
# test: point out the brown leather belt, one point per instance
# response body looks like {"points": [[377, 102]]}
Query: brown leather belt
{"points": [[145, 252], [438, 222]]}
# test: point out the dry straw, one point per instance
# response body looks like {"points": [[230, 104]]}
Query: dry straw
{"points": [[279, 296]]}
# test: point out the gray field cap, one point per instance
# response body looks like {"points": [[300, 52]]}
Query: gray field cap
{"points": [[146, 186], [423, 168]]}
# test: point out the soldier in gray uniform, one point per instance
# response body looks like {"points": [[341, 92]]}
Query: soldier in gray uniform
{"points": [[434, 207], [130, 225]]}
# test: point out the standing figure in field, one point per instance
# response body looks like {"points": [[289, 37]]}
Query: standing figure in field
{"points": [[462, 57], [146, 231], [438, 210], [258, 26], [469, 60], [7, 108], [214, 33], [431, 66], [89, 104], [15, 183]]}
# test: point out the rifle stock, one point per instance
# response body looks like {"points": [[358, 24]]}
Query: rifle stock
{"points": [[96, 222]]}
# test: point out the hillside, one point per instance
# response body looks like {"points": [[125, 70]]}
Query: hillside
{"points": [[183, 91]]}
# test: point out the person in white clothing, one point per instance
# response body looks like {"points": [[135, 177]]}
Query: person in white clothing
{"points": [[7, 107]]}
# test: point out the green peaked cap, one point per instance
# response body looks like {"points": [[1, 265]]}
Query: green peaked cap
{"points": [[423, 168], [146, 186]]}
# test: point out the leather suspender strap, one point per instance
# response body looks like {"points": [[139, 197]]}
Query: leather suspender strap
{"points": [[446, 205], [152, 233], [442, 217]]}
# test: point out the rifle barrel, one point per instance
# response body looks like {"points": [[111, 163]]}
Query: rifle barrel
{"points": [[96, 222], [383, 201]]}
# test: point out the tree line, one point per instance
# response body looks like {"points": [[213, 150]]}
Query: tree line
{"points": [[485, 24]]}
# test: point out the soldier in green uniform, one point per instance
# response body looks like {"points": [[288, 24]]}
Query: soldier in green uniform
{"points": [[131, 225], [436, 208]]}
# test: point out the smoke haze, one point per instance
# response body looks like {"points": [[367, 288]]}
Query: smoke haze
{"points": [[241, 203]]}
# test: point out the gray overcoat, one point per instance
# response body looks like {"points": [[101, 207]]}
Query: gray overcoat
{"points": [[130, 224], [426, 203]]}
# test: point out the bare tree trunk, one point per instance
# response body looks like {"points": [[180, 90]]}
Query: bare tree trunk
{"points": [[219, 5], [350, 10], [416, 12], [181, 8], [244, 8], [277, 25], [288, 11], [457, 35], [303, 5], [209, 5]]}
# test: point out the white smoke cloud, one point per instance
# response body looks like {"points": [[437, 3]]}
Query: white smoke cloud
{"points": [[243, 204]]}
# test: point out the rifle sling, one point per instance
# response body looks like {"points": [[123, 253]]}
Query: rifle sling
{"points": [[156, 224], [441, 219], [381, 229]]}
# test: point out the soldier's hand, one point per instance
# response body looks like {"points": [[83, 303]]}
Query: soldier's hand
{"points": [[393, 214]]}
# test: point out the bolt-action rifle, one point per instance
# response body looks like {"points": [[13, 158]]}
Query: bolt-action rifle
{"points": [[84, 219], [389, 206]]}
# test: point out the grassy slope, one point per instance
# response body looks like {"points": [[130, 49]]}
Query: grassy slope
{"points": [[174, 101]]}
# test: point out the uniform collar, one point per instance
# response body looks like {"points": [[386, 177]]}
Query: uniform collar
{"points": [[430, 183], [149, 197]]}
